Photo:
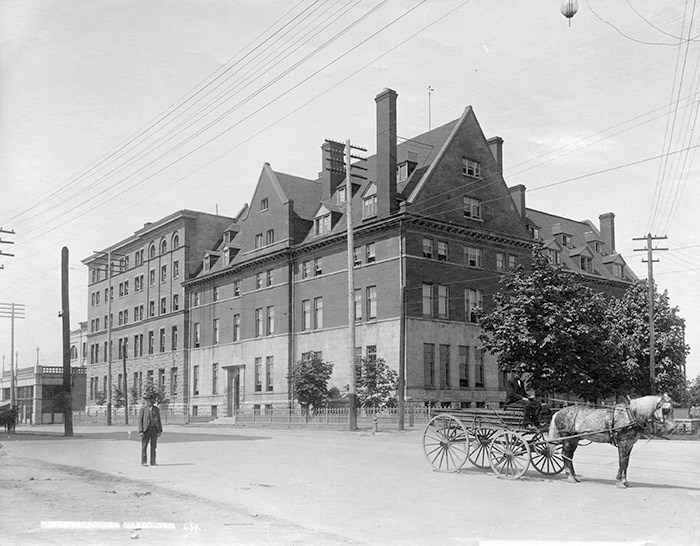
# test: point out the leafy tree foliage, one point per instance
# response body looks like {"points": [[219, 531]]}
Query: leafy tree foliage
{"points": [[153, 392], [118, 397], [630, 330], [375, 383], [547, 323], [100, 398], [309, 379], [693, 393]]}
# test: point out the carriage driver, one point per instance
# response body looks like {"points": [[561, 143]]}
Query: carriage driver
{"points": [[516, 395]]}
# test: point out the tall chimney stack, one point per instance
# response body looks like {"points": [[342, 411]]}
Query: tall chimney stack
{"points": [[386, 153], [496, 146], [518, 195], [333, 168], [607, 229]]}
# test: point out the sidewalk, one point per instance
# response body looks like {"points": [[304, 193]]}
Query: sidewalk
{"points": [[378, 488]]}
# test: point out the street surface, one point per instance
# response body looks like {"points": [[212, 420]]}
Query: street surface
{"points": [[269, 486]]}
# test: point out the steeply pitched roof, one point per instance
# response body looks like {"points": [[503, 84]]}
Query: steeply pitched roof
{"points": [[305, 193]]}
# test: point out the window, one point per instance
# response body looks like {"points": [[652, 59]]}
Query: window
{"points": [[371, 353], [471, 167], [357, 256], [258, 280], [151, 308], [163, 247], [598, 246], [445, 365], [318, 266], [270, 323], [618, 271], [269, 276], [429, 364], [214, 378], [197, 334], [152, 277], [358, 304], [474, 301], [322, 224], [120, 318], [318, 313], [126, 316], [554, 256], [427, 299], [173, 338], [176, 269], [126, 288], [534, 232], [427, 248], [173, 381], [443, 301], [402, 172], [269, 236], [370, 253], [478, 367], [258, 374], [306, 314], [586, 264], [195, 381], [258, 240], [236, 327], [463, 366], [152, 252], [305, 270], [176, 302], [512, 262], [371, 302], [472, 207], [176, 241], [163, 273], [342, 194], [121, 289], [500, 261], [215, 331], [566, 240], [258, 322], [264, 205], [163, 305], [442, 251], [161, 345], [369, 206], [151, 342], [215, 293], [474, 257], [269, 367], [236, 288]]}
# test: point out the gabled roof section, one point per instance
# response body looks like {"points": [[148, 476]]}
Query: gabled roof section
{"points": [[305, 193]]}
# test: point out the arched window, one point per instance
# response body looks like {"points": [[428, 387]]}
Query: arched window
{"points": [[176, 241], [152, 251], [163, 247], [73, 352]]}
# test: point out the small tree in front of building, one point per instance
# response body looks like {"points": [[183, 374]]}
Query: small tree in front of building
{"points": [[309, 378], [118, 397], [375, 383], [100, 398], [153, 392]]}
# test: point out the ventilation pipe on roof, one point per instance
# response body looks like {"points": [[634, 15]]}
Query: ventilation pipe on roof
{"points": [[386, 153]]}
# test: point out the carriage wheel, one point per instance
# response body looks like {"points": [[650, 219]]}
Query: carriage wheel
{"points": [[509, 454], [546, 457], [445, 443], [479, 449]]}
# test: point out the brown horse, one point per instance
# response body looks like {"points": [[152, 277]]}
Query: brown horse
{"points": [[620, 425]]}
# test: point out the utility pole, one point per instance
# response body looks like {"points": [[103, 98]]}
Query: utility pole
{"points": [[430, 108], [65, 329], [126, 392], [650, 281], [9, 232], [12, 311]]}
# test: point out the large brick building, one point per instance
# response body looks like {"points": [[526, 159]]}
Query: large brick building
{"points": [[435, 227], [139, 311]]}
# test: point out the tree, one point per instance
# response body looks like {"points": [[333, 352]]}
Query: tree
{"points": [[630, 331], [309, 378], [693, 392], [155, 393], [118, 397], [549, 324], [100, 398], [375, 383]]}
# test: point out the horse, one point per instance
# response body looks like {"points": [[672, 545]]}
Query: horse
{"points": [[621, 425], [9, 419]]}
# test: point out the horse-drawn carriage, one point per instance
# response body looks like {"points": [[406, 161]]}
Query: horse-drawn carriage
{"points": [[497, 439], [8, 416]]}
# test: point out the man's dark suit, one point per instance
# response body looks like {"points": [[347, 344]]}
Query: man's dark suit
{"points": [[150, 428], [515, 390]]}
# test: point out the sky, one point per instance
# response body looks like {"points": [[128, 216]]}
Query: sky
{"points": [[120, 112]]}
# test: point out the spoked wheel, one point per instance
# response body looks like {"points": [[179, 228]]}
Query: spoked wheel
{"points": [[480, 439], [445, 443], [546, 457], [509, 454]]}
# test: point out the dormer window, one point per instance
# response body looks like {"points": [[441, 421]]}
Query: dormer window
{"points": [[402, 172], [534, 232], [554, 256], [342, 194], [264, 205], [369, 206], [471, 167], [566, 240], [618, 271], [586, 264], [322, 224], [598, 246], [258, 240]]}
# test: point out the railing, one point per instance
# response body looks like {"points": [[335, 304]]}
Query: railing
{"points": [[333, 417], [97, 415]]}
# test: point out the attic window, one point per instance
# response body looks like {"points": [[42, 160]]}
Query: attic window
{"points": [[369, 206], [342, 195], [258, 240], [566, 240], [322, 224], [534, 232], [402, 172], [598, 246], [470, 167], [586, 264], [618, 271], [263, 204], [472, 207], [554, 256]]}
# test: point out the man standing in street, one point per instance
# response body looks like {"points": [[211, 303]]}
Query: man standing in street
{"points": [[150, 428]]}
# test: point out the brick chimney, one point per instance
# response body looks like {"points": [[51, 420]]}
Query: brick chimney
{"points": [[518, 195], [386, 153], [332, 172], [496, 146], [607, 229]]}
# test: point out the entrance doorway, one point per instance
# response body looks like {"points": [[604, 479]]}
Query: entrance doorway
{"points": [[233, 390]]}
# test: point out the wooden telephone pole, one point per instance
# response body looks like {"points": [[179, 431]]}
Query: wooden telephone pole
{"points": [[65, 324]]}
